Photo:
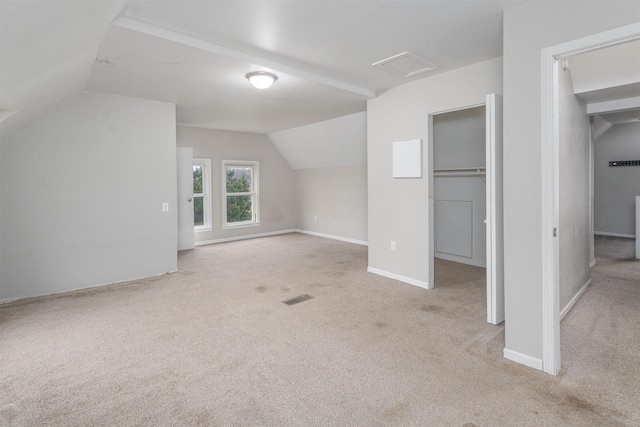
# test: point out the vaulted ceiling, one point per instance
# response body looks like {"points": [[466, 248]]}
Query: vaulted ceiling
{"points": [[196, 53]]}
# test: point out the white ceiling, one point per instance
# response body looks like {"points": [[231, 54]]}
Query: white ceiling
{"points": [[608, 74], [613, 66], [622, 117], [211, 90], [195, 54], [337, 142], [47, 51]]}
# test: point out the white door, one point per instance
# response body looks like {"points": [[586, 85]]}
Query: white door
{"points": [[185, 199], [495, 244]]}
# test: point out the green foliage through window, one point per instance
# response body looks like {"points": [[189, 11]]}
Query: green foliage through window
{"points": [[240, 207]]}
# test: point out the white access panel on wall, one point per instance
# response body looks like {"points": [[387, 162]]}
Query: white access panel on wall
{"points": [[454, 234], [407, 159], [495, 235]]}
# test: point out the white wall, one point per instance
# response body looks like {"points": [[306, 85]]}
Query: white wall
{"points": [[277, 179], [82, 190], [330, 160], [459, 141], [398, 208], [617, 187], [575, 191], [337, 196], [528, 28]]}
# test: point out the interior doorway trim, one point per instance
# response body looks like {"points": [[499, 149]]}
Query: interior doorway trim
{"points": [[550, 183], [432, 238]]}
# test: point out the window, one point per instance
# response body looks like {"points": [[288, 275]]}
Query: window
{"points": [[240, 193], [202, 194]]}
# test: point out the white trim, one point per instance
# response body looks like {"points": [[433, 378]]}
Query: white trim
{"points": [[248, 236], [606, 233], [207, 202], [399, 278], [550, 292], [574, 300], [207, 46], [331, 236], [459, 259], [523, 359], [592, 263], [119, 282], [255, 194], [550, 191], [613, 106]]}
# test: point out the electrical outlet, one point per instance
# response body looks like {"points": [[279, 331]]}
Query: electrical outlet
{"points": [[165, 207], [393, 245], [315, 219]]}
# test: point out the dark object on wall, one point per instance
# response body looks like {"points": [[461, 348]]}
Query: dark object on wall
{"points": [[624, 163]]}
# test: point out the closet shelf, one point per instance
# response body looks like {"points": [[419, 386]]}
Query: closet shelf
{"points": [[479, 171]]}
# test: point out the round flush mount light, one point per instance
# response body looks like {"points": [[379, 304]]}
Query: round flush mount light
{"points": [[261, 79]]}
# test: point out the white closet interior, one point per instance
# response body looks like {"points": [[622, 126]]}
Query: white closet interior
{"points": [[459, 161]]}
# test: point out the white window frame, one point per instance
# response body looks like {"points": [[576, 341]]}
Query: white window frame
{"points": [[206, 195], [255, 204]]}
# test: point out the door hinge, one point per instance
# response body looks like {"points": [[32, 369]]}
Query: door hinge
{"points": [[555, 232]]}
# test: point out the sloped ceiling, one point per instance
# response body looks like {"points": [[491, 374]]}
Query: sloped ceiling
{"points": [[337, 142], [195, 54], [211, 90], [47, 51]]}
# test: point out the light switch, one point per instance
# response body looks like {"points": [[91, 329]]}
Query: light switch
{"points": [[165, 207]]}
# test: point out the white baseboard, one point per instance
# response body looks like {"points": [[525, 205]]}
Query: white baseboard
{"points": [[459, 259], [70, 291], [592, 263], [574, 300], [331, 236], [523, 359], [606, 233], [248, 236], [399, 278]]}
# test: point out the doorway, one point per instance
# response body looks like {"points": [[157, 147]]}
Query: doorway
{"points": [[556, 170], [465, 197]]}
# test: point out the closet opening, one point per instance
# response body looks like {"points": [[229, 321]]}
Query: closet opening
{"points": [[459, 179], [465, 203]]}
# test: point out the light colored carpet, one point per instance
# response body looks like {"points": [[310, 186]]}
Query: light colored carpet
{"points": [[215, 345]]}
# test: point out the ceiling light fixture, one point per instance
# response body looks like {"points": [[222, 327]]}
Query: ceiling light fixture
{"points": [[261, 79]]}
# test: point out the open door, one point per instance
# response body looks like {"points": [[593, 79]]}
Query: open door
{"points": [[186, 234], [495, 241]]}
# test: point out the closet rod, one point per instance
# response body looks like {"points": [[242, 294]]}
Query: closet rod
{"points": [[478, 173], [476, 169]]}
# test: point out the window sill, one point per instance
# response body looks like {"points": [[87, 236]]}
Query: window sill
{"points": [[202, 230], [232, 227]]}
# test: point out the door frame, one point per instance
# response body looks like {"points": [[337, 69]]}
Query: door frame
{"points": [[550, 169], [431, 187]]}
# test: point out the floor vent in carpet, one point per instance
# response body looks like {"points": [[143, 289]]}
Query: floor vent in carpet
{"points": [[296, 300]]}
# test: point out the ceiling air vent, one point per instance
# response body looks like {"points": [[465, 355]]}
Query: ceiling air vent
{"points": [[404, 64]]}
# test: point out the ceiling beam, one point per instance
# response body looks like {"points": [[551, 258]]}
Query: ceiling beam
{"points": [[613, 106], [174, 36]]}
